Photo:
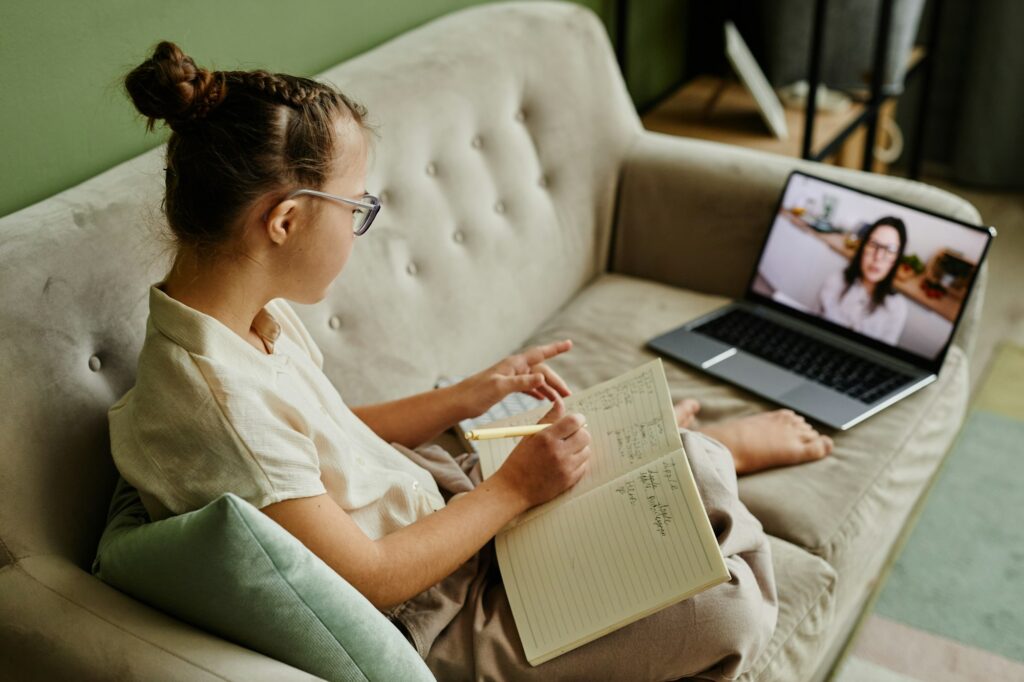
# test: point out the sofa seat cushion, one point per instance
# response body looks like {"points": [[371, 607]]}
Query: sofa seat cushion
{"points": [[806, 588], [845, 507], [850, 508], [232, 571]]}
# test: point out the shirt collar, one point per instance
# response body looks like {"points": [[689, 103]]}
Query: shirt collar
{"points": [[205, 335]]}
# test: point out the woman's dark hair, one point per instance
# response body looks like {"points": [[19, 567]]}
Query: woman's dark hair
{"points": [[853, 270], [235, 136]]}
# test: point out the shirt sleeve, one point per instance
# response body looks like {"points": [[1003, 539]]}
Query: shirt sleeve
{"points": [[263, 446], [205, 431]]}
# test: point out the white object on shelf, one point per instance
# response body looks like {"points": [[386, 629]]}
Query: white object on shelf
{"points": [[794, 95], [753, 78]]}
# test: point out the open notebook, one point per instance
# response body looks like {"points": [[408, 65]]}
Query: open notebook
{"points": [[630, 538]]}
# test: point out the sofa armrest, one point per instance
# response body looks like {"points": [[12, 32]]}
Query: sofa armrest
{"points": [[694, 214], [58, 622]]}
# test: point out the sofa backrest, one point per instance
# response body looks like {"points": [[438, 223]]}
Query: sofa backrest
{"points": [[502, 130], [501, 133]]}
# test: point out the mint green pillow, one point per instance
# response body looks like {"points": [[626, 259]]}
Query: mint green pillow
{"points": [[231, 570]]}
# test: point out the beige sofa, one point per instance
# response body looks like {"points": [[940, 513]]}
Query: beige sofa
{"points": [[522, 202]]}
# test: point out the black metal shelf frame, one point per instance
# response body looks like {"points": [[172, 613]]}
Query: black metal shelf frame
{"points": [[869, 115]]}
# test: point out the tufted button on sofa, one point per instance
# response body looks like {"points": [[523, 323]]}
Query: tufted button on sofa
{"points": [[523, 202]]}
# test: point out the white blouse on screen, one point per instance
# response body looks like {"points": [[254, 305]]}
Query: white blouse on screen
{"points": [[853, 309], [210, 414]]}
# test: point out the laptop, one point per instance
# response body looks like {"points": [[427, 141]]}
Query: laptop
{"points": [[851, 307]]}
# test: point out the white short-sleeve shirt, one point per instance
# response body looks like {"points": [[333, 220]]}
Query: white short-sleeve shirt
{"points": [[209, 414]]}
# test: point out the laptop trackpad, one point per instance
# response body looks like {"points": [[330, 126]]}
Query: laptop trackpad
{"points": [[758, 375], [823, 403]]}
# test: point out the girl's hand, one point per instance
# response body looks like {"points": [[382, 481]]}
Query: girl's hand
{"points": [[523, 372], [546, 464]]}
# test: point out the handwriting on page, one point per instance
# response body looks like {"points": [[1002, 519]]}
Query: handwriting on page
{"points": [[635, 441], [642, 489], [623, 394], [607, 557], [626, 422]]}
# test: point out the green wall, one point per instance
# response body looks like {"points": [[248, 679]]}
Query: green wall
{"points": [[64, 117], [657, 57]]}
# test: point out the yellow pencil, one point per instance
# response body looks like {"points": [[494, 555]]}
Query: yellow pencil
{"points": [[505, 432]]}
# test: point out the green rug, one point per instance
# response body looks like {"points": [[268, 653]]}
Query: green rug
{"points": [[961, 573]]}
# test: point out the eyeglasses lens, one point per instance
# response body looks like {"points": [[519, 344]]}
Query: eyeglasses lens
{"points": [[886, 250], [359, 216]]}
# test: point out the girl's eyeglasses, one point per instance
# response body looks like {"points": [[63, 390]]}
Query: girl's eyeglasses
{"points": [[363, 211]]}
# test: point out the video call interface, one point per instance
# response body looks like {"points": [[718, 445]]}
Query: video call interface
{"points": [[888, 272]]}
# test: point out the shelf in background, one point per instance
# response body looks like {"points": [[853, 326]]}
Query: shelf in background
{"points": [[733, 118]]}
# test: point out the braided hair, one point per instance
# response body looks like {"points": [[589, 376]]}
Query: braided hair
{"points": [[236, 136]]}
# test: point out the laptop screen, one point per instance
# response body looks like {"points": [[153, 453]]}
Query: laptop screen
{"points": [[889, 273]]}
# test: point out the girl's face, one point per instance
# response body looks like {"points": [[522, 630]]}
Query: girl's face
{"points": [[327, 241], [880, 253]]}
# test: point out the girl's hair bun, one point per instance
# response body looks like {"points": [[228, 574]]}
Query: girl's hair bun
{"points": [[171, 87]]}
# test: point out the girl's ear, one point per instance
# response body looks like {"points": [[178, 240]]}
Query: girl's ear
{"points": [[280, 220]]}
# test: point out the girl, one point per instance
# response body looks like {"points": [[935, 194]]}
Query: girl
{"points": [[862, 297], [265, 196]]}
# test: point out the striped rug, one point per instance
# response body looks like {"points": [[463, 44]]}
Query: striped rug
{"points": [[953, 605]]}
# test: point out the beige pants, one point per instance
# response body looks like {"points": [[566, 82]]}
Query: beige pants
{"points": [[463, 626]]}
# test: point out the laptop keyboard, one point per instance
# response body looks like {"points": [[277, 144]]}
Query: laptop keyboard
{"points": [[824, 363]]}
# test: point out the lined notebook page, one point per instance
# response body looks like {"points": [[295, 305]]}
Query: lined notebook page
{"points": [[630, 419], [603, 560]]}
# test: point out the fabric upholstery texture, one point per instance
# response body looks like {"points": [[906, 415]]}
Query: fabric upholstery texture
{"points": [[513, 172], [61, 623], [508, 170], [234, 572]]}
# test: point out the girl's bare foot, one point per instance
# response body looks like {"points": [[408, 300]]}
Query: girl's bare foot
{"points": [[686, 412], [770, 439]]}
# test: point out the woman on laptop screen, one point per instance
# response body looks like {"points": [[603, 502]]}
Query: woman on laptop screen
{"points": [[861, 297]]}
